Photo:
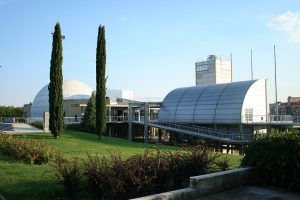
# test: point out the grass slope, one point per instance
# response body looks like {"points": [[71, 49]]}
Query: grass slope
{"points": [[79, 144], [21, 181]]}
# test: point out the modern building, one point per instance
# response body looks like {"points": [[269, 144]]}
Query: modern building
{"points": [[27, 110], [232, 106], [213, 71], [289, 110], [76, 95]]}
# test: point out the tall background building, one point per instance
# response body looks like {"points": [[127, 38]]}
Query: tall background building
{"points": [[213, 71]]}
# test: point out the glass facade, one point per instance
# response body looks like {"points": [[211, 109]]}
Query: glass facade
{"points": [[214, 104]]}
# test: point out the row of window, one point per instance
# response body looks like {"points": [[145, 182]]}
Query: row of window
{"points": [[201, 68]]}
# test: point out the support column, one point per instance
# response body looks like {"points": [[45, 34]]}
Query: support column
{"points": [[109, 113], [129, 122], [109, 131], [241, 129], [46, 122], [139, 115], [146, 120], [159, 135]]}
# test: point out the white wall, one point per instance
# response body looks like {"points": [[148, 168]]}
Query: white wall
{"points": [[256, 99]]}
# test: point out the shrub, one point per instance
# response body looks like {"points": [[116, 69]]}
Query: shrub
{"points": [[69, 170], [37, 124], [223, 164], [276, 158], [28, 151], [144, 174]]}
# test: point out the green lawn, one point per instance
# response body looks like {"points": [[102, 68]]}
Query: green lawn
{"points": [[21, 181]]}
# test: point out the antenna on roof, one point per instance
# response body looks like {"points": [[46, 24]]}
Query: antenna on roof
{"points": [[251, 66], [275, 83], [231, 65]]}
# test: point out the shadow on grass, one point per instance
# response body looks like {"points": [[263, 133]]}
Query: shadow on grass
{"points": [[117, 142], [39, 189]]}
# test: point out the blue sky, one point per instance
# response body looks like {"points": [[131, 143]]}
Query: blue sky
{"points": [[152, 45]]}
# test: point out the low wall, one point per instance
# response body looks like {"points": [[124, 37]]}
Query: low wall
{"points": [[208, 184]]}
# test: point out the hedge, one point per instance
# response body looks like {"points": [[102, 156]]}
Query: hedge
{"points": [[276, 158]]}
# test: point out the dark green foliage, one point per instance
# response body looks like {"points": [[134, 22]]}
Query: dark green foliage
{"points": [[139, 175], [100, 83], [37, 124], [89, 118], [11, 111], [223, 164], [69, 170], [56, 101], [276, 158]]}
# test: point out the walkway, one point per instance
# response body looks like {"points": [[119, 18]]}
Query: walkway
{"points": [[253, 192], [202, 132], [19, 128]]}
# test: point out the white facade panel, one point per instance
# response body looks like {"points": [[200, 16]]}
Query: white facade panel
{"points": [[213, 71]]}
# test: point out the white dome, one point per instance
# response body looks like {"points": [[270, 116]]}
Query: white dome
{"points": [[72, 89]]}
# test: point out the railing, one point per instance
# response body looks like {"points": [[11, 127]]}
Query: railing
{"points": [[116, 119], [72, 120], [13, 120], [211, 133], [281, 118]]}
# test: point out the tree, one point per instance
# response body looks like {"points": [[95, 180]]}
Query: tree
{"points": [[56, 101], [100, 83], [11, 111], [89, 119]]}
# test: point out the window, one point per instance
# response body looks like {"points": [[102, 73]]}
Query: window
{"points": [[249, 114], [201, 68]]}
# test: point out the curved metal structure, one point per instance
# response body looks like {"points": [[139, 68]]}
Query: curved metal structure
{"points": [[230, 103]]}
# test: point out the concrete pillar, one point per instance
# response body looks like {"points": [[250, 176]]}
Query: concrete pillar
{"points": [[46, 122], [139, 115], [159, 135], [241, 129], [109, 131], [129, 122], [109, 113], [146, 120]]}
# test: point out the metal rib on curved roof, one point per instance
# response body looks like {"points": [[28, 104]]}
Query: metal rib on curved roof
{"points": [[220, 103]]}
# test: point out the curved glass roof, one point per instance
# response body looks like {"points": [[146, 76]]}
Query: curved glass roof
{"points": [[220, 103]]}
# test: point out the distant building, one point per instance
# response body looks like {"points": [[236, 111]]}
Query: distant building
{"points": [[76, 96], [291, 107], [213, 71], [27, 110]]}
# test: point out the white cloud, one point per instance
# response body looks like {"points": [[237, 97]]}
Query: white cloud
{"points": [[289, 23]]}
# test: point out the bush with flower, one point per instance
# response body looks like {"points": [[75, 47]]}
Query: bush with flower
{"points": [[25, 150]]}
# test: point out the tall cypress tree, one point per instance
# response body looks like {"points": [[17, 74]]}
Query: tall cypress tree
{"points": [[100, 83], [56, 101], [89, 117]]}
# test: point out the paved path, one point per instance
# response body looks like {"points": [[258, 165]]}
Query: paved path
{"points": [[20, 128], [253, 192]]}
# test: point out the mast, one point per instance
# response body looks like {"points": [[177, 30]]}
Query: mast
{"points": [[231, 65], [251, 67], [275, 84]]}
